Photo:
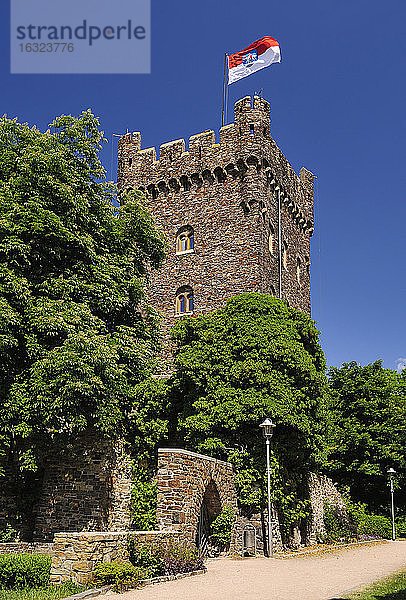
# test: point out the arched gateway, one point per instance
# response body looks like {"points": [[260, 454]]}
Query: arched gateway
{"points": [[192, 491]]}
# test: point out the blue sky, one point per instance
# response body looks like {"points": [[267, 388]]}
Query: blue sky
{"points": [[338, 108]]}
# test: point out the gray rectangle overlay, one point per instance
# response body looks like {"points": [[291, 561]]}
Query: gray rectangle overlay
{"points": [[80, 36]]}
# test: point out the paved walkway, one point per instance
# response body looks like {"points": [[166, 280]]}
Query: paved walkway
{"points": [[317, 577]]}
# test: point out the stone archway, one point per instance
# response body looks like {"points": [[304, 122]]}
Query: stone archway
{"points": [[192, 488], [209, 510]]}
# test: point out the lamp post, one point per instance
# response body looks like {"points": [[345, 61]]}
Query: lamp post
{"points": [[391, 472], [267, 428]]}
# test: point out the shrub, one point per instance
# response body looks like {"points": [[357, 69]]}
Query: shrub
{"points": [[19, 571], [337, 526], [400, 523], [222, 527], [143, 500], [167, 558], [120, 574], [147, 558], [8, 534], [181, 558], [366, 524], [376, 525]]}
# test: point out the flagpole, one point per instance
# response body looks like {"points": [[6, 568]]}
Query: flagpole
{"points": [[224, 89]]}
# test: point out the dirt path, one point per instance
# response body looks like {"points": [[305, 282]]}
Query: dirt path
{"points": [[319, 577]]}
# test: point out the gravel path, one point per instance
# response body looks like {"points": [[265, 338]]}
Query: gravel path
{"points": [[317, 577]]}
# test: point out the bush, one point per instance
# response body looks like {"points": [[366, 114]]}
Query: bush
{"points": [[143, 500], [120, 574], [222, 528], [147, 558], [337, 526], [368, 525], [376, 525], [8, 534], [400, 523], [181, 558], [170, 558], [19, 571]]}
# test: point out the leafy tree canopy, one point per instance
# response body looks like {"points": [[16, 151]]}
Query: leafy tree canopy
{"points": [[368, 407], [254, 358], [74, 342]]}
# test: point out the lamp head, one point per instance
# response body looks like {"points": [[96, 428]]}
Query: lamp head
{"points": [[267, 428], [391, 472]]}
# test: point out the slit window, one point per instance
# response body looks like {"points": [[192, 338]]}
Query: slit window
{"points": [[285, 256], [271, 241], [298, 269], [252, 129]]}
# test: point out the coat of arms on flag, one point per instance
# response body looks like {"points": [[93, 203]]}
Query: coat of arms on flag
{"points": [[260, 54], [249, 58]]}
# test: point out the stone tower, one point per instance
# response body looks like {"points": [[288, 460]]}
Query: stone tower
{"points": [[237, 217]]}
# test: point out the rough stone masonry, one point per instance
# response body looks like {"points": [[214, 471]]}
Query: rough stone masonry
{"points": [[250, 214]]}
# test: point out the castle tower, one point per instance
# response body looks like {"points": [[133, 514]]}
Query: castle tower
{"points": [[237, 217]]}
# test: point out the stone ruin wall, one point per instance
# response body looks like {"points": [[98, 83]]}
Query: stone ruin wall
{"points": [[86, 488], [228, 192], [323, 491]]}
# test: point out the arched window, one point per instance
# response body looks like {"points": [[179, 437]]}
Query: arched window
{"points": [[285, 255], [184, 300], [298, 269], [185, 241]]}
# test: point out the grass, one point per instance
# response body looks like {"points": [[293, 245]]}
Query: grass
{"points": [[53, 592], [392, 587]]}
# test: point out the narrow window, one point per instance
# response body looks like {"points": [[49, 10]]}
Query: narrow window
{"points": [[130, 162], [271, 240], [298, 269], [185, 240], [273, 292], [308, 265], [285, 256], [252, 129]]}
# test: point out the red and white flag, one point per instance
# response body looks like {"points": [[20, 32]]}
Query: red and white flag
{"points": [[260, 54]]}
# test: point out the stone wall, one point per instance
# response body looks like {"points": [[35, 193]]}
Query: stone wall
{"points": [[323, 491], [76, 554], [88, 487], [183, 480], [229, 193], [27, 548]]}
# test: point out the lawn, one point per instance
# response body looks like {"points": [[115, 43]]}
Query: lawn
{"points": [[392, 587], [53, 592]]}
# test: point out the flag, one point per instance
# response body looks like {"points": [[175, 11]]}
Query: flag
{"points": [[260, 54]]}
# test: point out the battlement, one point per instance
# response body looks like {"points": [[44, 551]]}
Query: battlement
{"points": [[245, 148]]}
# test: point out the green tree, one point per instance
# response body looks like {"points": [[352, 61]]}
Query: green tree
{"points": [[368, 406], [254, 358], [76, 337]]}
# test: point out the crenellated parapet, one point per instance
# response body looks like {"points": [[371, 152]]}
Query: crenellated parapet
{"points": [[246, 152]]}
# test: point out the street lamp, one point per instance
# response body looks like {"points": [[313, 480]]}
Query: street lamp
{"points": [[267, 428], [391, 472]]}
